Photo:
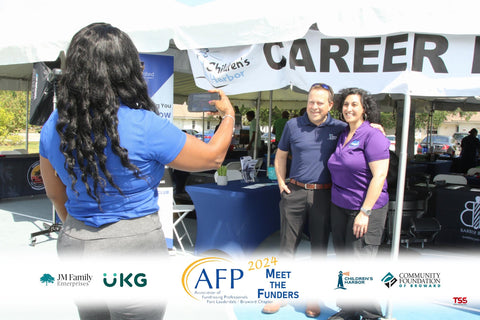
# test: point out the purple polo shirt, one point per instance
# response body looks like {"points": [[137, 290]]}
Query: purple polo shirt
{"points": [[349, 168], [311, 147]]}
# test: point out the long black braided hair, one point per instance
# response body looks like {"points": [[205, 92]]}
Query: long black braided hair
{"points": [[102, 70]]}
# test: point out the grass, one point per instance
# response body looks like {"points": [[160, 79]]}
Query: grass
{"points": [[33, 147]]}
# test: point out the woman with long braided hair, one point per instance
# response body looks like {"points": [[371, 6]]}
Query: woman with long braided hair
{"points": [[103, 153]]}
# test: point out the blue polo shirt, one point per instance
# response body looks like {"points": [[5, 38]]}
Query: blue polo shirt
{"points": [[311, 147], [348, 165], [151, 142]]}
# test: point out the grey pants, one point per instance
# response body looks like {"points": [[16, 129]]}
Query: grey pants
{"points": [[303, 208], [135, 237]]}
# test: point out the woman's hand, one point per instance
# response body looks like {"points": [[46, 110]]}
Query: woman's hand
{"points": [[360, 225], [224, 106]]}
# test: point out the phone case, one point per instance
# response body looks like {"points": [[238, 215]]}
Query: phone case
{"points": [[198, 102]]}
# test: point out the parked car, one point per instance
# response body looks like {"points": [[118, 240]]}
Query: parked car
{"points": [[207, 135], [265, 137], [193, 132], [458, 136], [392, 142], [442, 145]]}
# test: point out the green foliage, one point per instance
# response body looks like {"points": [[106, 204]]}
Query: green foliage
{"points": [[12, 113], [222, 171], [388, 120], [263, 117]]}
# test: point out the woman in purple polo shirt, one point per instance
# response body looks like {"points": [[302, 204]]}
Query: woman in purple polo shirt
{"points": [[359, 168]]}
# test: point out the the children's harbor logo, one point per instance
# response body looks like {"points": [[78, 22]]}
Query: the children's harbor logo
{"points": [[340, 284], [345, 278]]}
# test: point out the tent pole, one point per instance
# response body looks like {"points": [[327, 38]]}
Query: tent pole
{"points": [[269, 144], [26, 122], [402, 168], [257, 126]]}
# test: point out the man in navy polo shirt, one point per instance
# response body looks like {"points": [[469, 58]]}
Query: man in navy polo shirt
{"points": [[310, 139]]}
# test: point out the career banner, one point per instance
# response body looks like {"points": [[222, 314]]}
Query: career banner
{"points": [[418, 64]]}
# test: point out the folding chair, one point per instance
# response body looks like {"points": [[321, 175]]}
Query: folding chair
{"points": [[180, 212]]}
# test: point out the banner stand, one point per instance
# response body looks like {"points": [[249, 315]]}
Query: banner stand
{"points": [[54, 227]]}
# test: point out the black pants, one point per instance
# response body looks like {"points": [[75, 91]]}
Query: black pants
{"points": [[346, 244], [299, 208]]}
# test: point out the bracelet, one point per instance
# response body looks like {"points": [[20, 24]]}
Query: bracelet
{"points": [[228, 115]]}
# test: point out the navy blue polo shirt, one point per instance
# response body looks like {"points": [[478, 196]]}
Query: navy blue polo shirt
{"points": [[310, 146]]}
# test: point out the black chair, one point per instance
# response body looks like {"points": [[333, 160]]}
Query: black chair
{"points": [[418, 223]]}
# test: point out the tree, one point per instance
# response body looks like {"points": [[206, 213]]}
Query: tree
{"points": [[12, 113], [47, 278]]}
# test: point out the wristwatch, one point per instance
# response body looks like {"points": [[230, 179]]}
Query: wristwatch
{"points": [[368, 212]]}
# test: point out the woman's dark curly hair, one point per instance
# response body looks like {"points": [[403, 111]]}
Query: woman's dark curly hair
{"points": [[102, 70], [368, 102]]}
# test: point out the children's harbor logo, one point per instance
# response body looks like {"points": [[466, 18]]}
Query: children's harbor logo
{"points": [[345, 278]]}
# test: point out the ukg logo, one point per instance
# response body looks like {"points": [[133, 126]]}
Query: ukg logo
{"points": [[122, 280]]}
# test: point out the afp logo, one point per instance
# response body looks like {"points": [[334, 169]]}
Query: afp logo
{"points": [[210, 273]]}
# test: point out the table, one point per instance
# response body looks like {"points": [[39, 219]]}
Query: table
{"points": [[235, 218], [457, 208], [20, 176], [432, 167]]}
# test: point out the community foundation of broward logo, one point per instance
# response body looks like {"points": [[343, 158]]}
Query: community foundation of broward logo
{"points": [[419, 280], [67, 280]]}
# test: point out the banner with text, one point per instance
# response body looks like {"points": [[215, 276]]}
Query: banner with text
{"points": [[158, 73], [419, 64]]}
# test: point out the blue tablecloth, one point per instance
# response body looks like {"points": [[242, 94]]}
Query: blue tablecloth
{"points": [[233, 218]]}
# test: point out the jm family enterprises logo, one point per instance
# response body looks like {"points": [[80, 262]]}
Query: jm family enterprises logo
{"points": [[67, 279]]}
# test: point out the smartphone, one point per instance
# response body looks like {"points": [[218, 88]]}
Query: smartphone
{"points": [[198, 102]]}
